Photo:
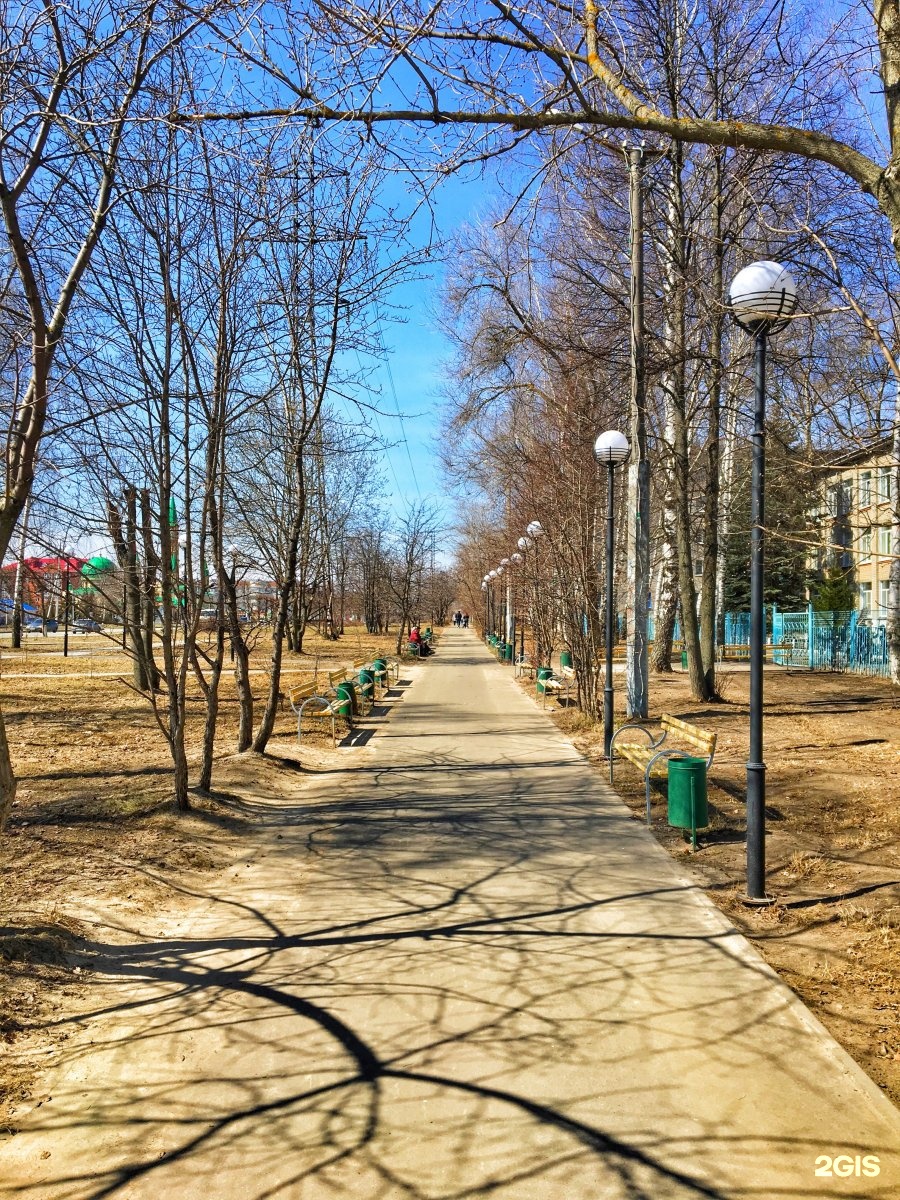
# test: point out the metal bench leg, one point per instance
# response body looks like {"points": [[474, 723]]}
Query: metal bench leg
{"points": [[647, 776]]}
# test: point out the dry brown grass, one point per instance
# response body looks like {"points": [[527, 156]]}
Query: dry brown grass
{"points": [[93, 820]]}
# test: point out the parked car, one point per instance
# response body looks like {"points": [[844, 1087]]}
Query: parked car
{"points": [[36, 625], [87, 625], [209, 619]]}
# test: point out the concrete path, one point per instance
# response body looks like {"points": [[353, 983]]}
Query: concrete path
{"points": [[455, 968]]}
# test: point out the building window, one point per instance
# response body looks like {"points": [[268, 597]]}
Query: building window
{"points": [[884, 539], [884, 595], [885, 484], [865, 596], [865, 545], [865, 489]]}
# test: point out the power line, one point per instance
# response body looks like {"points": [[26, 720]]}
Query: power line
{"points": [[390, 375], [382, 438]]}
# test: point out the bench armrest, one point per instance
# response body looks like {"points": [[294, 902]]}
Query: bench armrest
{"points": [[643, 728], [622, 728]]}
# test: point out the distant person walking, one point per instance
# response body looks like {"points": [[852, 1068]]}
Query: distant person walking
{"points": [[465, 620]]}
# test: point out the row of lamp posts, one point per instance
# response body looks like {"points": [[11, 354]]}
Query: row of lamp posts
{"points": [[506, 566], [762, 299], [610, 449]]}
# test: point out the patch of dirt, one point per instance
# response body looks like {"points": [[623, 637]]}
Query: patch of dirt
{"points": [[832, 752]]}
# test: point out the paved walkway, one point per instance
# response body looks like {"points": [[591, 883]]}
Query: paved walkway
{"points": [[461, 970]]}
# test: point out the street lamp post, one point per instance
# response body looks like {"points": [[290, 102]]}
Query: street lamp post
{"points": [[507, 624], [762, 298], [524, 544], [515, 561], [535, 530], [502, 604], [610, 448]]}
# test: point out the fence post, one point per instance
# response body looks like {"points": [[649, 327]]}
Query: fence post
{"points": [[810, 635]]}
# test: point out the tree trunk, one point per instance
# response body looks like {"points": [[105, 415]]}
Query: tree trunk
{"points": [[134, 614], [285, 596], [7, 778], [204, 781], [726, 472], [241, 656], [20, 581], [708, 614], [689, 624], [667, 592], [148, 592], [180, 773], [893, 623]]}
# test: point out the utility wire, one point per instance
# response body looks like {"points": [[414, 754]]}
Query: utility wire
{"points": [[390, 375]]}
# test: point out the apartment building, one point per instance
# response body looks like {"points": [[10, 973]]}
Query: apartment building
{"points": [[856, 525]]}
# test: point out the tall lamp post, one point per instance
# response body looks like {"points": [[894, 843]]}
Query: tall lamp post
{"points": [[611, 448], [533, 531], [507, 624], [762, 299], [503, 604], [515, 561], [524, 544]]}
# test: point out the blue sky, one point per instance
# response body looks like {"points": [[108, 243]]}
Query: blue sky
{"points": [[417, 351]]}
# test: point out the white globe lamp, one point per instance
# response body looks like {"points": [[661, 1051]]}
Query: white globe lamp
{"points": [[763, 297]]}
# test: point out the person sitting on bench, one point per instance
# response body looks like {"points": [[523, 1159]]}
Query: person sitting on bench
{"points": [[416, 639]]}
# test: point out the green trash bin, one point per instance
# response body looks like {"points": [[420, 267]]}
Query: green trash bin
{"points": [[380, 671], [508, 652], [542, 674], [565, 658], [687, 794], [367, 684], [684, 660], [345, 704]]}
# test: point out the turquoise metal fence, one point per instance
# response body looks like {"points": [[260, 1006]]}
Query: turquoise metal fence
{"points": [[830, 641], [817, 641]]}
